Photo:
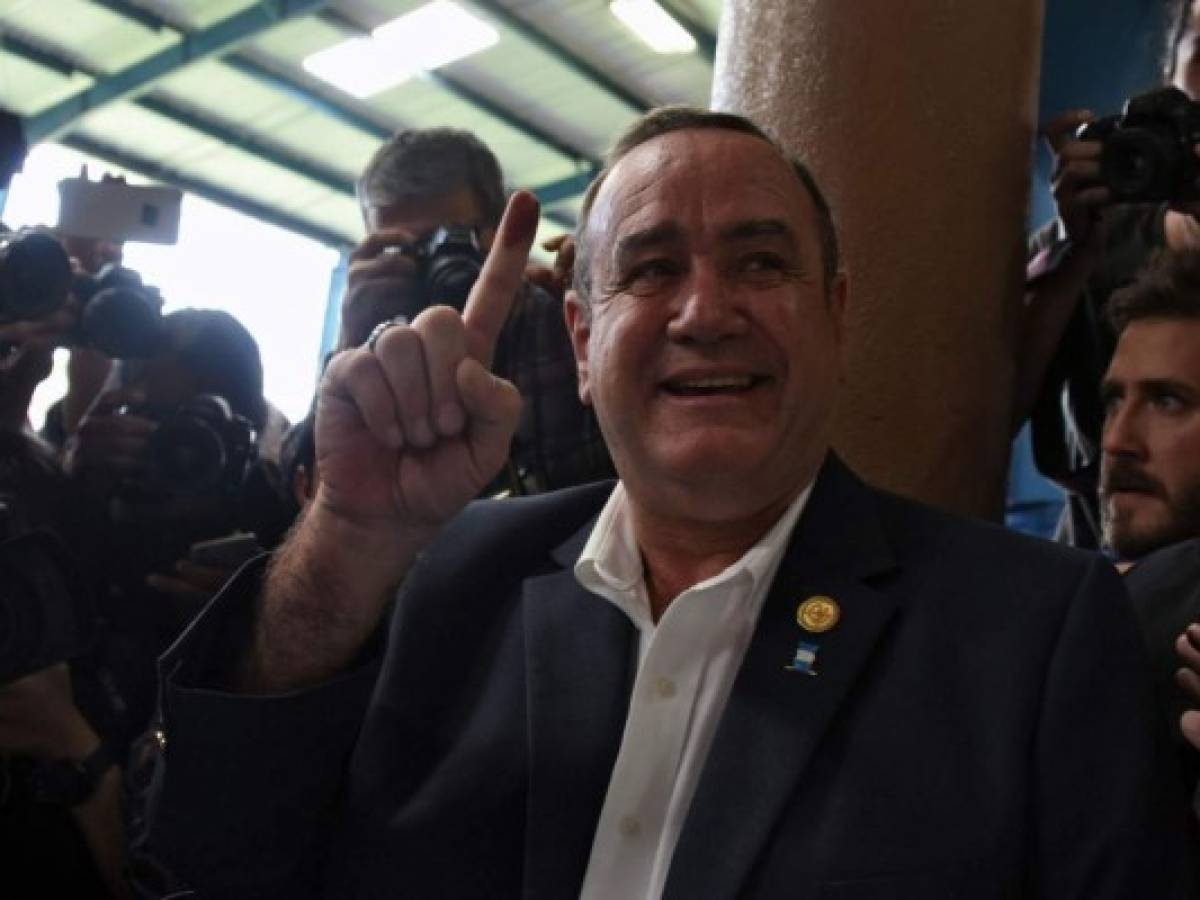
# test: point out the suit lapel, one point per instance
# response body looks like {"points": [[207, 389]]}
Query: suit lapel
{"points": [[775, 718], [579, 654]]}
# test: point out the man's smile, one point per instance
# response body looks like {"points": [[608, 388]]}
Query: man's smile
{"points": [[712, 385]]}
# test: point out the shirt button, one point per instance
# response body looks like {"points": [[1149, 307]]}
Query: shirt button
{"points": [[664, 688], [629, 826]]}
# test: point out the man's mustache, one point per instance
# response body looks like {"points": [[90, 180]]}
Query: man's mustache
{"points": [[1122, 476]]}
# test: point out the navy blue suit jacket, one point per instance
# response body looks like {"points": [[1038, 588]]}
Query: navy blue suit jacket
{"points": [[981, 727]]}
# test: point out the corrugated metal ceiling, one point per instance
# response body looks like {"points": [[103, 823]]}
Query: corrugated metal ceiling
{"points": [[211, 94]]}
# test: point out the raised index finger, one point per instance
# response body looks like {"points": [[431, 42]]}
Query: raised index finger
{"points": [[494, 293]]}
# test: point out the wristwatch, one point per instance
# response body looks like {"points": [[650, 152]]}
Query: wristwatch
{"points": [[70, 782]]}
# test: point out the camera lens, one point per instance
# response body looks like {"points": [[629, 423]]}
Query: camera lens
{"points": [[451, 278], [188, 454], [35, 276], [1139, 164]]}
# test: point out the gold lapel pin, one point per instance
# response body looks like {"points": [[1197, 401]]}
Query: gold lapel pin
{"points": [[818, 614]]}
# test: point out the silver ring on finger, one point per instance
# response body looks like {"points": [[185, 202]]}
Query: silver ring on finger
{"points": [[378, 330]]}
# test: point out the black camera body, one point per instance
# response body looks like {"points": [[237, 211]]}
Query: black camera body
{"points": [[46, 610], [202, 449], [120, 316], [1147, 155], [35, 274], [449, 262]]}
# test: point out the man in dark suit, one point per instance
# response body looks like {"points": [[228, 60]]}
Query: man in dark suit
{"points": [[737, 672], [1150, 465]]}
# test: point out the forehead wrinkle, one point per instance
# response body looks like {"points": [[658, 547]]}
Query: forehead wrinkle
{"points": [[757, 228], [655, 235], [647, 179]]}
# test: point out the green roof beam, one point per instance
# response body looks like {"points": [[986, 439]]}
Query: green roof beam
{"points": [[547, 44], [243, 140], [251, 68], [465, 92], [216, 39]]}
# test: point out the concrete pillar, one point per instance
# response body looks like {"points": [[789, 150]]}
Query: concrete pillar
{"points": [[917, 118]]}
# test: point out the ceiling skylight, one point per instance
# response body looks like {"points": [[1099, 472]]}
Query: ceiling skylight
{"points": [[653, 25], [433, 35]]}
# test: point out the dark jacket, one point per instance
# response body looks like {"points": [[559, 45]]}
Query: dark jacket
{"points": [[981, 727]]}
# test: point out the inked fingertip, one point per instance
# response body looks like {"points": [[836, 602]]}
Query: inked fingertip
{"points": [[523, 214], [394, 437]]}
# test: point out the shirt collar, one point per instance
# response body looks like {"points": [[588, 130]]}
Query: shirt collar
{"points": [[611, 562]]}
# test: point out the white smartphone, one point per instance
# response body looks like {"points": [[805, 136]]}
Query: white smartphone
{"points": [[116, 211]]}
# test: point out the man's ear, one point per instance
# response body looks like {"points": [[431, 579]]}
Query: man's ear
{"points": [[579, 327], [837, 305], [837, 312]]}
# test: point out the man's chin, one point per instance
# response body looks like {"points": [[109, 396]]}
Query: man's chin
{"points": [[1132, 537]]}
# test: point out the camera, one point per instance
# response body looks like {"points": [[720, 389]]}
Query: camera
{"points": [[35, 274], [120, 315], [1147, 155], [202, 449], [46, 611], [449, 262]]}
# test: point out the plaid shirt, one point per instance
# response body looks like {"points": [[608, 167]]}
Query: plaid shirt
{"points": [[558, 441]]}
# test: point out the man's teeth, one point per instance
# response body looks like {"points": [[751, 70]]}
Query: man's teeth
{"points": [[726, 383]]}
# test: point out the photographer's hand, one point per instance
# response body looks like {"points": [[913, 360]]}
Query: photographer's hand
{"points": [[1051, 297], [1079, 195], [1182, 223], [407, 433], [379, 285], [108, 445], [39, 718], [1188, 678]]}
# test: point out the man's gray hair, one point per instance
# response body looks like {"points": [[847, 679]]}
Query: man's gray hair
{"points": [[427, 163], [667, 119]]}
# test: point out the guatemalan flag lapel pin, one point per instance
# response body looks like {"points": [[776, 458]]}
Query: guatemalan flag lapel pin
{"points": [[816, 615]]}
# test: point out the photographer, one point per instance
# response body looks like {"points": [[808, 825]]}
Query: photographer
{"points": [[431, 202], [1098, 244], [60, 810], [169, 454]]}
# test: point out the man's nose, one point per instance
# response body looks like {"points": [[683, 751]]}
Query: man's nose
{"points": [[1122, 433], [708, 310]]}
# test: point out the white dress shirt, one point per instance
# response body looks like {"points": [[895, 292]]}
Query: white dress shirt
{"points": [[686, 668]]}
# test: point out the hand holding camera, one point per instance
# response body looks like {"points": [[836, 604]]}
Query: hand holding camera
{"points": [[1079, 194], [45, 298], [1147, 154], [394, 273], [111, 443], [201, 449]]}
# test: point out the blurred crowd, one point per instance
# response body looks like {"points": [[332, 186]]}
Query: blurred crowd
{"points": [[164, 469]]}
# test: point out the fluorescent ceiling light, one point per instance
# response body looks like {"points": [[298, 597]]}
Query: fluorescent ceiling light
{"points": [[653, 25], [433, 35], [359, 66]]}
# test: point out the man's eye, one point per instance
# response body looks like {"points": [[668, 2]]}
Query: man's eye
{"points": [[762, 261], [650, 274], [763, 266], [1169, 403]]}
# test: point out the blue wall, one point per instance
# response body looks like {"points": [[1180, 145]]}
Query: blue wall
{"points": [[1095, 54]]}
